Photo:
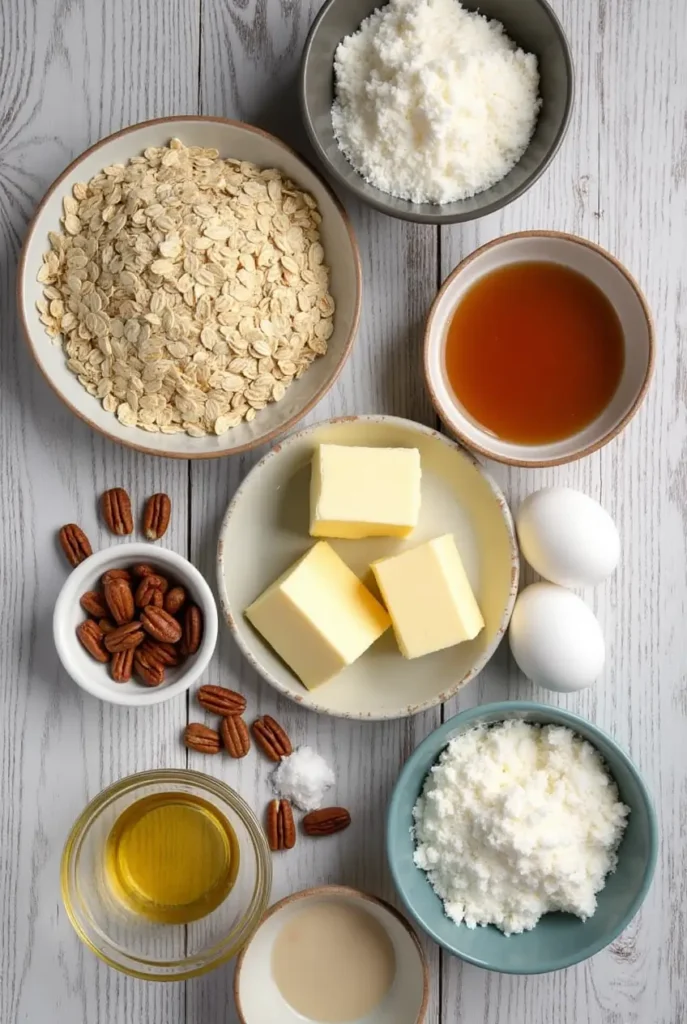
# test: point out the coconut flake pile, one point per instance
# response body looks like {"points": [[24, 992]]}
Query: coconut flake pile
{"points": [[433, 103]]}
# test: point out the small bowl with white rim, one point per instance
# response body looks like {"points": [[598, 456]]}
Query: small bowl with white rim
{"points": [[94, 677], [619, 288], [558, 940], [328, 970], [266, 529], [530, 24], [232, 140]]}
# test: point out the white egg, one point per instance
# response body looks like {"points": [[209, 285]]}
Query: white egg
{"points": [[567, 537], [555, 638]]}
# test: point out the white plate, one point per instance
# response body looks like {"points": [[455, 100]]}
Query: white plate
{"points": [[265, 530], [232, 139], [259, 1001]]}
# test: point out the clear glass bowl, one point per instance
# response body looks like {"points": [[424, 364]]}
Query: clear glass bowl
{"points": [[134, 944]]}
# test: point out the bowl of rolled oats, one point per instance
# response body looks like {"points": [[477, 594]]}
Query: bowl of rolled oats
{"points": [[190, 287]]}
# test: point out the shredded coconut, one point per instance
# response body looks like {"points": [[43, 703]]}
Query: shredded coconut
{"points": [[433, 103], [303, 778], [515, 821]]}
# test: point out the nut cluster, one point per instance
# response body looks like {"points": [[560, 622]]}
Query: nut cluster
{"points": [[115, 506], [139, 624]]}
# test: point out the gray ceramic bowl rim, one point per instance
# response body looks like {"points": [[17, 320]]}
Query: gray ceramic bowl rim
{"points": [[306, 699], [438, 218], [438, 740]]}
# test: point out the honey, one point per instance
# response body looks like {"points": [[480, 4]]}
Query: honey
{"points": [[534, 352], [172, 858]]}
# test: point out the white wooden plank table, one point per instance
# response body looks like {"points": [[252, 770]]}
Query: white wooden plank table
{"points": [[72, 72]]}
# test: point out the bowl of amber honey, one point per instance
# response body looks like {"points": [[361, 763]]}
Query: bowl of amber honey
{"points": [[166, 874], [539, 349]]}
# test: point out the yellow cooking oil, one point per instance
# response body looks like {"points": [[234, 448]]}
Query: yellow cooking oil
{"points": [[172, 858]]}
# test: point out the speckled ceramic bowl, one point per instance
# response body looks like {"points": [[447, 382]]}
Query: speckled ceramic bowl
{"points": [[559, 940], [265, 530]]}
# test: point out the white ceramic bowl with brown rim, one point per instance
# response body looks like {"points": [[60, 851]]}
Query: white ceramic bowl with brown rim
{"points": [[232, 139], [265, 530], [259, 999], [620, 289]]}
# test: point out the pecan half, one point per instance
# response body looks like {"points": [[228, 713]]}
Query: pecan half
{"points": [[120, 600], [165, 654], [221, 701], [192, 630], [143, 569], [75, 544], [326, 821], [201, 738], [160, 625], [149, 671], [271, 738], [106, 626], [116, 509], [235, 736], [156, 516], [115, 574], [174, 600], [148, 587], [281, 829], [122, 666], [125, 637], [91, 638], [93, 602]]}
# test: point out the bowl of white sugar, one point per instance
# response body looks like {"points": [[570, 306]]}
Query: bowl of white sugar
{"points": [[436, 111], [521, 837]]}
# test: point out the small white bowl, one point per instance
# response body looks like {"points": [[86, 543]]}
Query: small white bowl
{"points": [[265, 530], [620, 289], [95, 678], [232, 139], [259, 1001]]}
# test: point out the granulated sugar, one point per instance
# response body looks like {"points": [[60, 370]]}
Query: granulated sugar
{"points": [[303, 778], [433, 103]]}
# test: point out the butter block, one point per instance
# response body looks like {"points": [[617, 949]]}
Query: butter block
{"points": [[318, 616], [429, 597], [364, 492]]}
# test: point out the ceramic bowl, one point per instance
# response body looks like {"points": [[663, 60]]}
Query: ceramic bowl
{"points": [[259, 1001], [232, 139], [558, 940], [620, 289], [141, 947], [530, 23], [95, 678], [265, 530]]}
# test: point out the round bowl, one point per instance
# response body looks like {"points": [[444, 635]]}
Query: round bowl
{"points": [[529, 23], [136, 945], [232, 139], [265, 530], [558, 940], [259, 1000], [94, 677], [619, 287]]}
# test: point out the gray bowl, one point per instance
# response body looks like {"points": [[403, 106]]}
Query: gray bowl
{"points": [[530, 23]]}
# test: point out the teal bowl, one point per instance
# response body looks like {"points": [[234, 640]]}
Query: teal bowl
{"points": [[559, 940]]}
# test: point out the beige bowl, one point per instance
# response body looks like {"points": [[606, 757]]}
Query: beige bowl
{"points": [[265, 530], [232, 139], [618, 286], [258, 1000]]}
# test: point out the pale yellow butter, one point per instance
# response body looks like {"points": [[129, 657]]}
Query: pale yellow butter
{"points": [[429, 597], [364, 492], [319, 617]]}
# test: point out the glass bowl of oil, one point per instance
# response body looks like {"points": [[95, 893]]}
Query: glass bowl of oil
{"points": [[166, 874]]}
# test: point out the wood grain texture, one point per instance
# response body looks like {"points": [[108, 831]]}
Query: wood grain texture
{"points": [[74, 70], [71, 72]]}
